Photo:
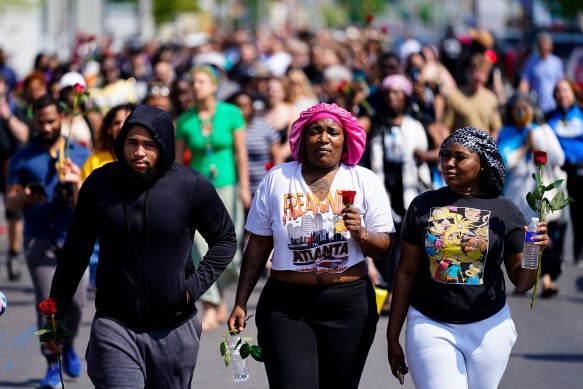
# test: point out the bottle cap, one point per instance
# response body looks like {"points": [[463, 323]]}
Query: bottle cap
{"points": [[534, 219]]}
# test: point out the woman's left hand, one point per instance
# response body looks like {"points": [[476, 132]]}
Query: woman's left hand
{"points": [[246, 199], [542, 238], [353, 224]]}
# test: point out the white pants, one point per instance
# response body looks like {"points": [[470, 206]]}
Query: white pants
{"points": [[458, 356]]}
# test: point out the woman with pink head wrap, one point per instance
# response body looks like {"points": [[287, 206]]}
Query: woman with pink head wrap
{"points": [[318, 303], [355, 137]]}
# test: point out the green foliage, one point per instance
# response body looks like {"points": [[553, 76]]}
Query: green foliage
{"points": [[538, 203], [47, 333], [257, 353], [357, 10], [334, 15], [166, 10], [245, 349], [568, 8]]}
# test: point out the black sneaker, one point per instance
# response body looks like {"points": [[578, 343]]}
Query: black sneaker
{"points": [[13, 268]]}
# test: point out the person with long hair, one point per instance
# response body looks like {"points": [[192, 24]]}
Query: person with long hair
{"points": [[280, 113], [214, 132], [302, 95]]}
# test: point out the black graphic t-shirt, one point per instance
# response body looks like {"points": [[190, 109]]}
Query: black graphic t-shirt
{"points": [[464, 239]]}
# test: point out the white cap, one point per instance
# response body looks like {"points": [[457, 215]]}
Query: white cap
{"points": [[72, 78], [210, 58]]}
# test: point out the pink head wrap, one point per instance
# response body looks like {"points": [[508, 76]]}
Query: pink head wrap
{"points": [[354, 135], [398, 82]]}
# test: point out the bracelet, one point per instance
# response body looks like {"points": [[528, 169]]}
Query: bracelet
{"points": [[365, 237]]}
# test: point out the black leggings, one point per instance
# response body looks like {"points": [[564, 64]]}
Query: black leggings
{"points": [[316, 336]]}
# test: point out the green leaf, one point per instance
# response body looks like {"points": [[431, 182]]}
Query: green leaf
{"points": [[42, 331], [568, 201], [557, 201], [249, 317], [536, 178], [546, 205], [238, 343], [554, 185], [223, 347], [227, 357], [247, 338], [62, 331], [245, 350], [538, 192], [46, 337], [257, 353], [531, 202]]}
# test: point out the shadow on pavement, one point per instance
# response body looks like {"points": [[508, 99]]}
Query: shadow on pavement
{"points": [[552, 357], [23, 384]]}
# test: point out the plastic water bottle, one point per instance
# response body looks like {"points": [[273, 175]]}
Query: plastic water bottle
{"points": [[240, 369], [530, 252]]}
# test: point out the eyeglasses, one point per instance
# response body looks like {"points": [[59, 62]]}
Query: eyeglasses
{"points": [[159, 90]]}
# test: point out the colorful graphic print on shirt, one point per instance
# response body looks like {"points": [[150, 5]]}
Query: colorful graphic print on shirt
{"points": [[457, 243], [317, 235]]}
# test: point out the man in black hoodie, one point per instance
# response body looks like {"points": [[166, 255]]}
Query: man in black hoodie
{"points": [[145, 209]]}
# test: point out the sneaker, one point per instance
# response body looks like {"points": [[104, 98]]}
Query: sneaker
{"points": [[13, 268], [52, 379], [71, 362]]}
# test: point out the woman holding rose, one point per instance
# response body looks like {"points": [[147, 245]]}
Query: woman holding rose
{"points": [[450, 284], [317, 314]]}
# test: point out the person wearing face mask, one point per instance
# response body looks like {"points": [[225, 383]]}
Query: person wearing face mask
{"points": [[523, 133], [567, 123]]}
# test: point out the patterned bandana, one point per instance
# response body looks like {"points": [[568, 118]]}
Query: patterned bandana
{"points": [[480, 142]]}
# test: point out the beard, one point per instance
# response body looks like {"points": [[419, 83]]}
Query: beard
{"points": [[142, 180], [48, 142]]}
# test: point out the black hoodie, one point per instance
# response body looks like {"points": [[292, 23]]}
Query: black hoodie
{"points": [[145, 236]]}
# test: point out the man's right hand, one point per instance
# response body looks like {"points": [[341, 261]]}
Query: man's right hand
{"points": [[31, 197], [236, 321]]}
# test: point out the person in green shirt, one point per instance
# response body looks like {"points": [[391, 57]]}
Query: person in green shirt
{"points": [[214, 133]]}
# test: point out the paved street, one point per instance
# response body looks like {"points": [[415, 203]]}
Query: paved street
{"points": [[548, 353]]}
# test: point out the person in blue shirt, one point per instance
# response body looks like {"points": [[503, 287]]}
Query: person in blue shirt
{"points": [[567, 123], [541, 73], [43, 182]]}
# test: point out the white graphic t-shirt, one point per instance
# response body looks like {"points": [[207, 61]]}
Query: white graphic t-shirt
{"points": [[308, 234]]}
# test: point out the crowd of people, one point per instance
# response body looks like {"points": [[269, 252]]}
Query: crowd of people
{"points": [[397, 124]]}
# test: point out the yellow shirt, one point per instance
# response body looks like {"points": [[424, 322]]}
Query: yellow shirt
{"points": [[96, 160]]}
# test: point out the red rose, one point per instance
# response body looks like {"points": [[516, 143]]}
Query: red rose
{"points": [[269, 165], [347, 197], [91, 38], [384, 29], [78, 88], [540, 157], [48, 307], [368, 18]]}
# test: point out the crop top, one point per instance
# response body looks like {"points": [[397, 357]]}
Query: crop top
{"points": [[308, 234]]}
